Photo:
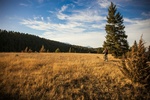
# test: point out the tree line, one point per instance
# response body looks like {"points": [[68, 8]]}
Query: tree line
{"points": [[11, 41]]}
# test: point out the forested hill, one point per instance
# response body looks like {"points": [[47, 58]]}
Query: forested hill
{"points": [[11, 41]]}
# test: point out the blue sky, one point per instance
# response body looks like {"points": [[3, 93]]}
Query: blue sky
{"points": [[79, 22]]}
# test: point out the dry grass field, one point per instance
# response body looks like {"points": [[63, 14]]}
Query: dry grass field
{"points": [[64, 76]]}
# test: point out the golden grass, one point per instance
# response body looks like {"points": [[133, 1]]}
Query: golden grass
{"points": [[63, 76]]}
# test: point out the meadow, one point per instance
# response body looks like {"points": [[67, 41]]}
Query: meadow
{"points": [[64, 76]]}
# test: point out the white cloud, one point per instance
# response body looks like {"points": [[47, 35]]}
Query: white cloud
{"points": [[135, 28], [63, 8], [80, 2], [23, 4], [146, 14], [48, 26], [84, 39], [40, 1], [48, 19], [103, 3], [99, 26], [38, 18], [62, 16], [86, 16], [80, 15], [42, 18], [130, 21], [51, 11]]}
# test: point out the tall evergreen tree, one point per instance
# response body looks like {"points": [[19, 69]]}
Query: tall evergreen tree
{"points": [[116, 39]]}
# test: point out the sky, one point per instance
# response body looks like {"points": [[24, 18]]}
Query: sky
{"points": [[77, 22]]}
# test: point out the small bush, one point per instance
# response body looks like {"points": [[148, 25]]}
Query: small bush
{"points": [[135, 67]]}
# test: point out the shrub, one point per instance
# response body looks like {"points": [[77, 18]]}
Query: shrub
{"points": [[135, 67]]}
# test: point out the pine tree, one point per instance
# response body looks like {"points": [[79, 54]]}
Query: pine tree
{"points": [[70, 50], [136, 67], [135, 46], [26, 49], [116, 39], [133, 49], [57, 50], [42, 49]]}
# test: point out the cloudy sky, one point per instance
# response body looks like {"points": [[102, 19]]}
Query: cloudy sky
{"points": [[79, 22]]}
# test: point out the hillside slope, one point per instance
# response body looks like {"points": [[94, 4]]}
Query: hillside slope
{"points": [[16, 42]]}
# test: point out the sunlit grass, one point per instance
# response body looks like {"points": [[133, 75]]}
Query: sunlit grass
{"points": [[66, 76]]}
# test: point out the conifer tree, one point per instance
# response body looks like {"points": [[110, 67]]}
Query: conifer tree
{"points": [[26, 49], [70, 50], [133, 49], [136, 67], [135, 46], [116, 39], [57, 50], [42, 49]]}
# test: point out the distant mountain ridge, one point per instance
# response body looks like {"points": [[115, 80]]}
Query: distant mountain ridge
{"points": [[11, 41]]}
